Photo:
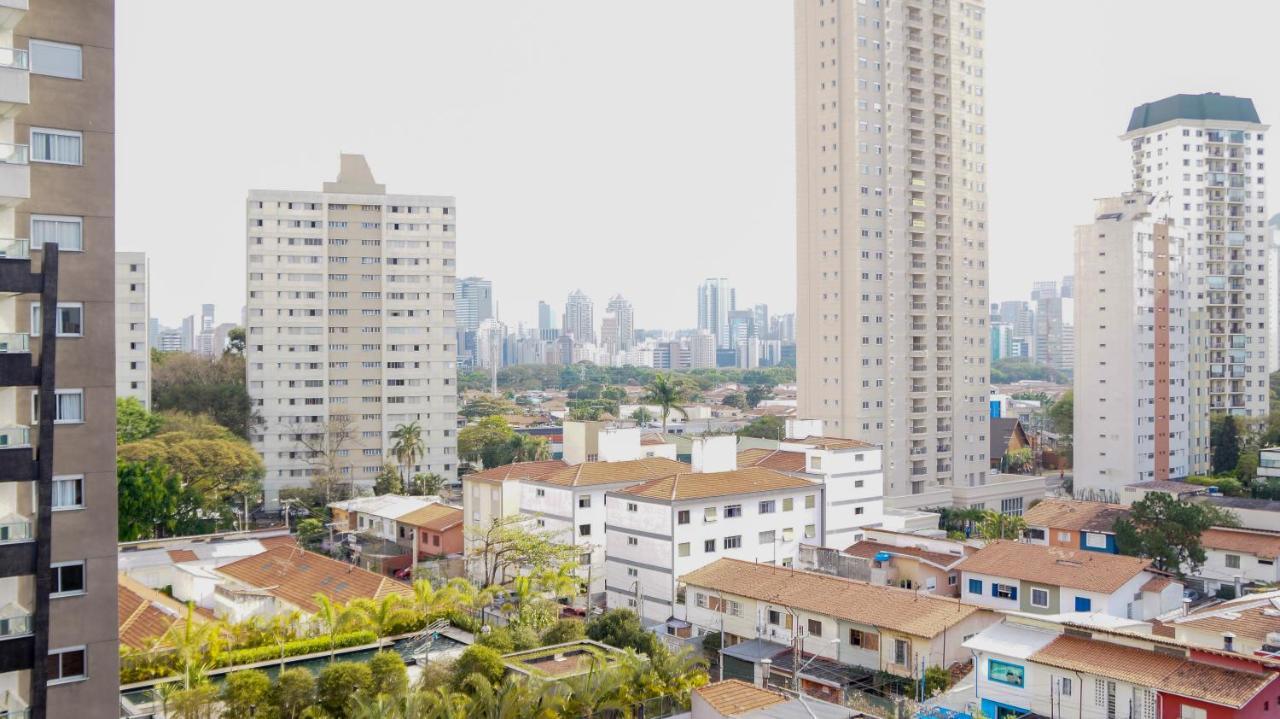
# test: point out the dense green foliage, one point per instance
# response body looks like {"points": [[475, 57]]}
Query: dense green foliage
{"points": [[1008, 371], [544, 377], [766, 427], [133, 421], [202, 385], [1167, 531]]}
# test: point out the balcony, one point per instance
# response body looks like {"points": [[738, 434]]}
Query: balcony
{"points": [[15, 528], [12, 706], [15, 621], [15, 81], [16, 368], [15, 174]]}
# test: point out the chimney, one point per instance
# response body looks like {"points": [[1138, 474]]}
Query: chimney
{"points": [[1239, 585], [715, 453]]}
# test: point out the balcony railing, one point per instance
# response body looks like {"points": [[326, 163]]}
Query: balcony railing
{"points": [[13, 57], [15, 622], [15, 530], [15, 437], [11, 154], [15, 343], [11, 249]]}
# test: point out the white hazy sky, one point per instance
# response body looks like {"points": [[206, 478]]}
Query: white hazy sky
{"points": [[633, 147]]}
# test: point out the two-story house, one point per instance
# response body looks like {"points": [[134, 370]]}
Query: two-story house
{"points": [[912, 561], [1022, 577], [834, 621], [1242, 556], [1074, 524], [1027, 667], [668, 527], [1246, 625]]}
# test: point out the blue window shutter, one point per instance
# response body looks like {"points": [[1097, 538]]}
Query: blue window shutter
{"points": [[995, 589], [1084, 604], [975, 586], [1013, 593]]}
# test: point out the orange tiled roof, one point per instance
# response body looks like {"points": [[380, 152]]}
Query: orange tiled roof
{"points": [[835, 443], [699, 485], [772, 459], [144, 614], [1143, 667], [734, 696], [296, 576], [519, 470], [182, 555], [590, 474], [888, 607], [1261, 544], [435, 516], [1072, 515], [868, 548], [1056, 566], [283, 540]]}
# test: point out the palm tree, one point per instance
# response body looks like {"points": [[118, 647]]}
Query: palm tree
{"points": [[562, 582], [193, 641], [665, 392], [333, 617], [407, 447], [382, 615], [428, 599], [529, 449]]}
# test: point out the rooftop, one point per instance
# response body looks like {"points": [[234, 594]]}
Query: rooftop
{"points": [[1262, 505], [1056, 566], [560, 661], [1253, 616], [1246, 541], [145, 614], [435, 516], [590, 474], [702, 485], [1156, 485], [389, 506], [517, 471], [832, 442], [1144, 667], [1206, 106], [734, 696], [869, 548], [295, 576], [1072, 515], [888, 607], [1010, 639], [776, 459]]}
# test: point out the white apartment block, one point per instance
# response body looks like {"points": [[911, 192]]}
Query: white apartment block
{"points": [[133, 312], [350, 327], [1205, 153], [1132, 399], [891, 236], [661, 530]]}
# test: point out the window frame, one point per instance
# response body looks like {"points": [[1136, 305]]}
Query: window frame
{"points": [[79, 480], [84, 663], [33, 43], [77, 220], [56, 579], [36, 312], [35, 406], [31, 142], [1032, 597]]}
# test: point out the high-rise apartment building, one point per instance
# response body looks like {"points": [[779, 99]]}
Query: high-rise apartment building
{"points": [[1205, 154], [891, 235], [350, 328], [188, 336], [545, 323], [474, 298], [702, 349], [491, 342], [1132, 355], [578, 318], [204, 343], [715, 301], [626, 317], [1048, 325], [1273, 294], [133, 310], [58, 639]]}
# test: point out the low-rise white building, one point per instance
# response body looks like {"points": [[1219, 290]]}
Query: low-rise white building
{"points": [[662, 529], [1238, 555]]}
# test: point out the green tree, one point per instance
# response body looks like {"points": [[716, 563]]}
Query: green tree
{"points": [[486, 405], [995, 525], [508, 543], [428, 483], [388, 481], [133, 421], [737, 400], [236, 341], [152, 502], [1018, 461], [1061, 414], [621, 628], [243, 692], [407, 447], [293, 691], [310, 531], [340, 685], [389, 677], [642, 415], [665, 392], [333, 618], [758, 393], [564, 630], [202, 385], [216, 468], [1167, 531], [1224, 440], [475, 440], [477, 659], [766, 427]]}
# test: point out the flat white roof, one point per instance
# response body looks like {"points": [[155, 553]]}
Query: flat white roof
{"points": [[1010, 640]]}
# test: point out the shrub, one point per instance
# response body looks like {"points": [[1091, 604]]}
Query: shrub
{"points": [[477, 659], [339, 686], [936, 680], [389, 675], [292, 692], [433, 676], [523, 637], [295, 648], [711, 643], [621, 628], [565, 630], [243, 692], [499, 640]]}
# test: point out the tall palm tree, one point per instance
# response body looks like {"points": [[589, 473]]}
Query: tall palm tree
{"points": [[560, 582], [333, 618], [382, 614], [407, 447], [193, 641], [429, 600], [664, 391]]}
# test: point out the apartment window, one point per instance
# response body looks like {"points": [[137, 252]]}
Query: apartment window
{"points": [[540, 492], [809, 500], [62, 147], [901, 651], [767, 537], [775, 617], [788, 534], [768, 507], [64, 230], [975, 586], [66, 665], [68, 579], [633, 572], [815, 627], [1233, 561], [68, 492], [70, 319], [788, 504], [1004, 591], [810, 531], [1064, 686], [55, 59], [1190, 712], [733, 542], [864, 640], [584, 530], [709, 545], [633, 541], [709, 514], [1040, 598], [700, 599], [633, 507], [584, 502], [70, 406], [682, 517], [682, 549]]}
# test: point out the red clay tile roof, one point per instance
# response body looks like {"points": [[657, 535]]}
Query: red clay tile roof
{"points": [[296, 576], [590, 474], [1072, 515], [517, 471], [1156, 584], [835, 443], [182, 555], [1055, 566], [435, 516], [772, 459], [868, 548], [283, 540], [701, 485], [144, 614], [1262, 544]]}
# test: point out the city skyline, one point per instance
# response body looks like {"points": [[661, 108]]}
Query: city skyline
{"points": [[713, 236]]}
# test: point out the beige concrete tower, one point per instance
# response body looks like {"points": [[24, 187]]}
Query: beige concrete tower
{"points": [[350, 328], [891, 235], [133, 343]]}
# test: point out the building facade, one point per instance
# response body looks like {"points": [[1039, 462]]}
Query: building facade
{"points": [[1204, 152], [350, 328], [625, 316], [1132, 389], [133, 344], [715, 301], [579, 313], [891, 236]]}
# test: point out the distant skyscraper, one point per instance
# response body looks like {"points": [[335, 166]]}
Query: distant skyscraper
{"points": [[626, 317], [545, 321], [1048, 323], [579, 318], [189, 333], [1068, 287], [474, 300], [204, 339], [491, 337], [760, 316], [206, 318], [610, 335], [714, 303], [1205, 152]]}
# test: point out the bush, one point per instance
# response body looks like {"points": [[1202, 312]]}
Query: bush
{"points": [[293, 691], [711, 642], [477, 659], [523, 637], [243, 692], [339, 686], [621, 628], [498, 639], [433, 676], [295, 648], [565, 630], [936, 680], [389, 675]]}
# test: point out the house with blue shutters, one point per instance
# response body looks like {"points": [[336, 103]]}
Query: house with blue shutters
{"points": [[1074, 524], [1038, 579]]}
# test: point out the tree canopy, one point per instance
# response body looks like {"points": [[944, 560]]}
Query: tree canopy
{"points": [[203, 385], [1167, 531]]}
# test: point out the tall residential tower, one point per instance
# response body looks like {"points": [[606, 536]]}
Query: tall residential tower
{"points": [[891, 235], [350, 328]]}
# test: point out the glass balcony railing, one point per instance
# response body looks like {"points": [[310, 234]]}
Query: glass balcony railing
{"points": [[15, 623], [15, 343], [13, 57], [11, 249], [11, 154], [15, 530], [15, 437]]}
